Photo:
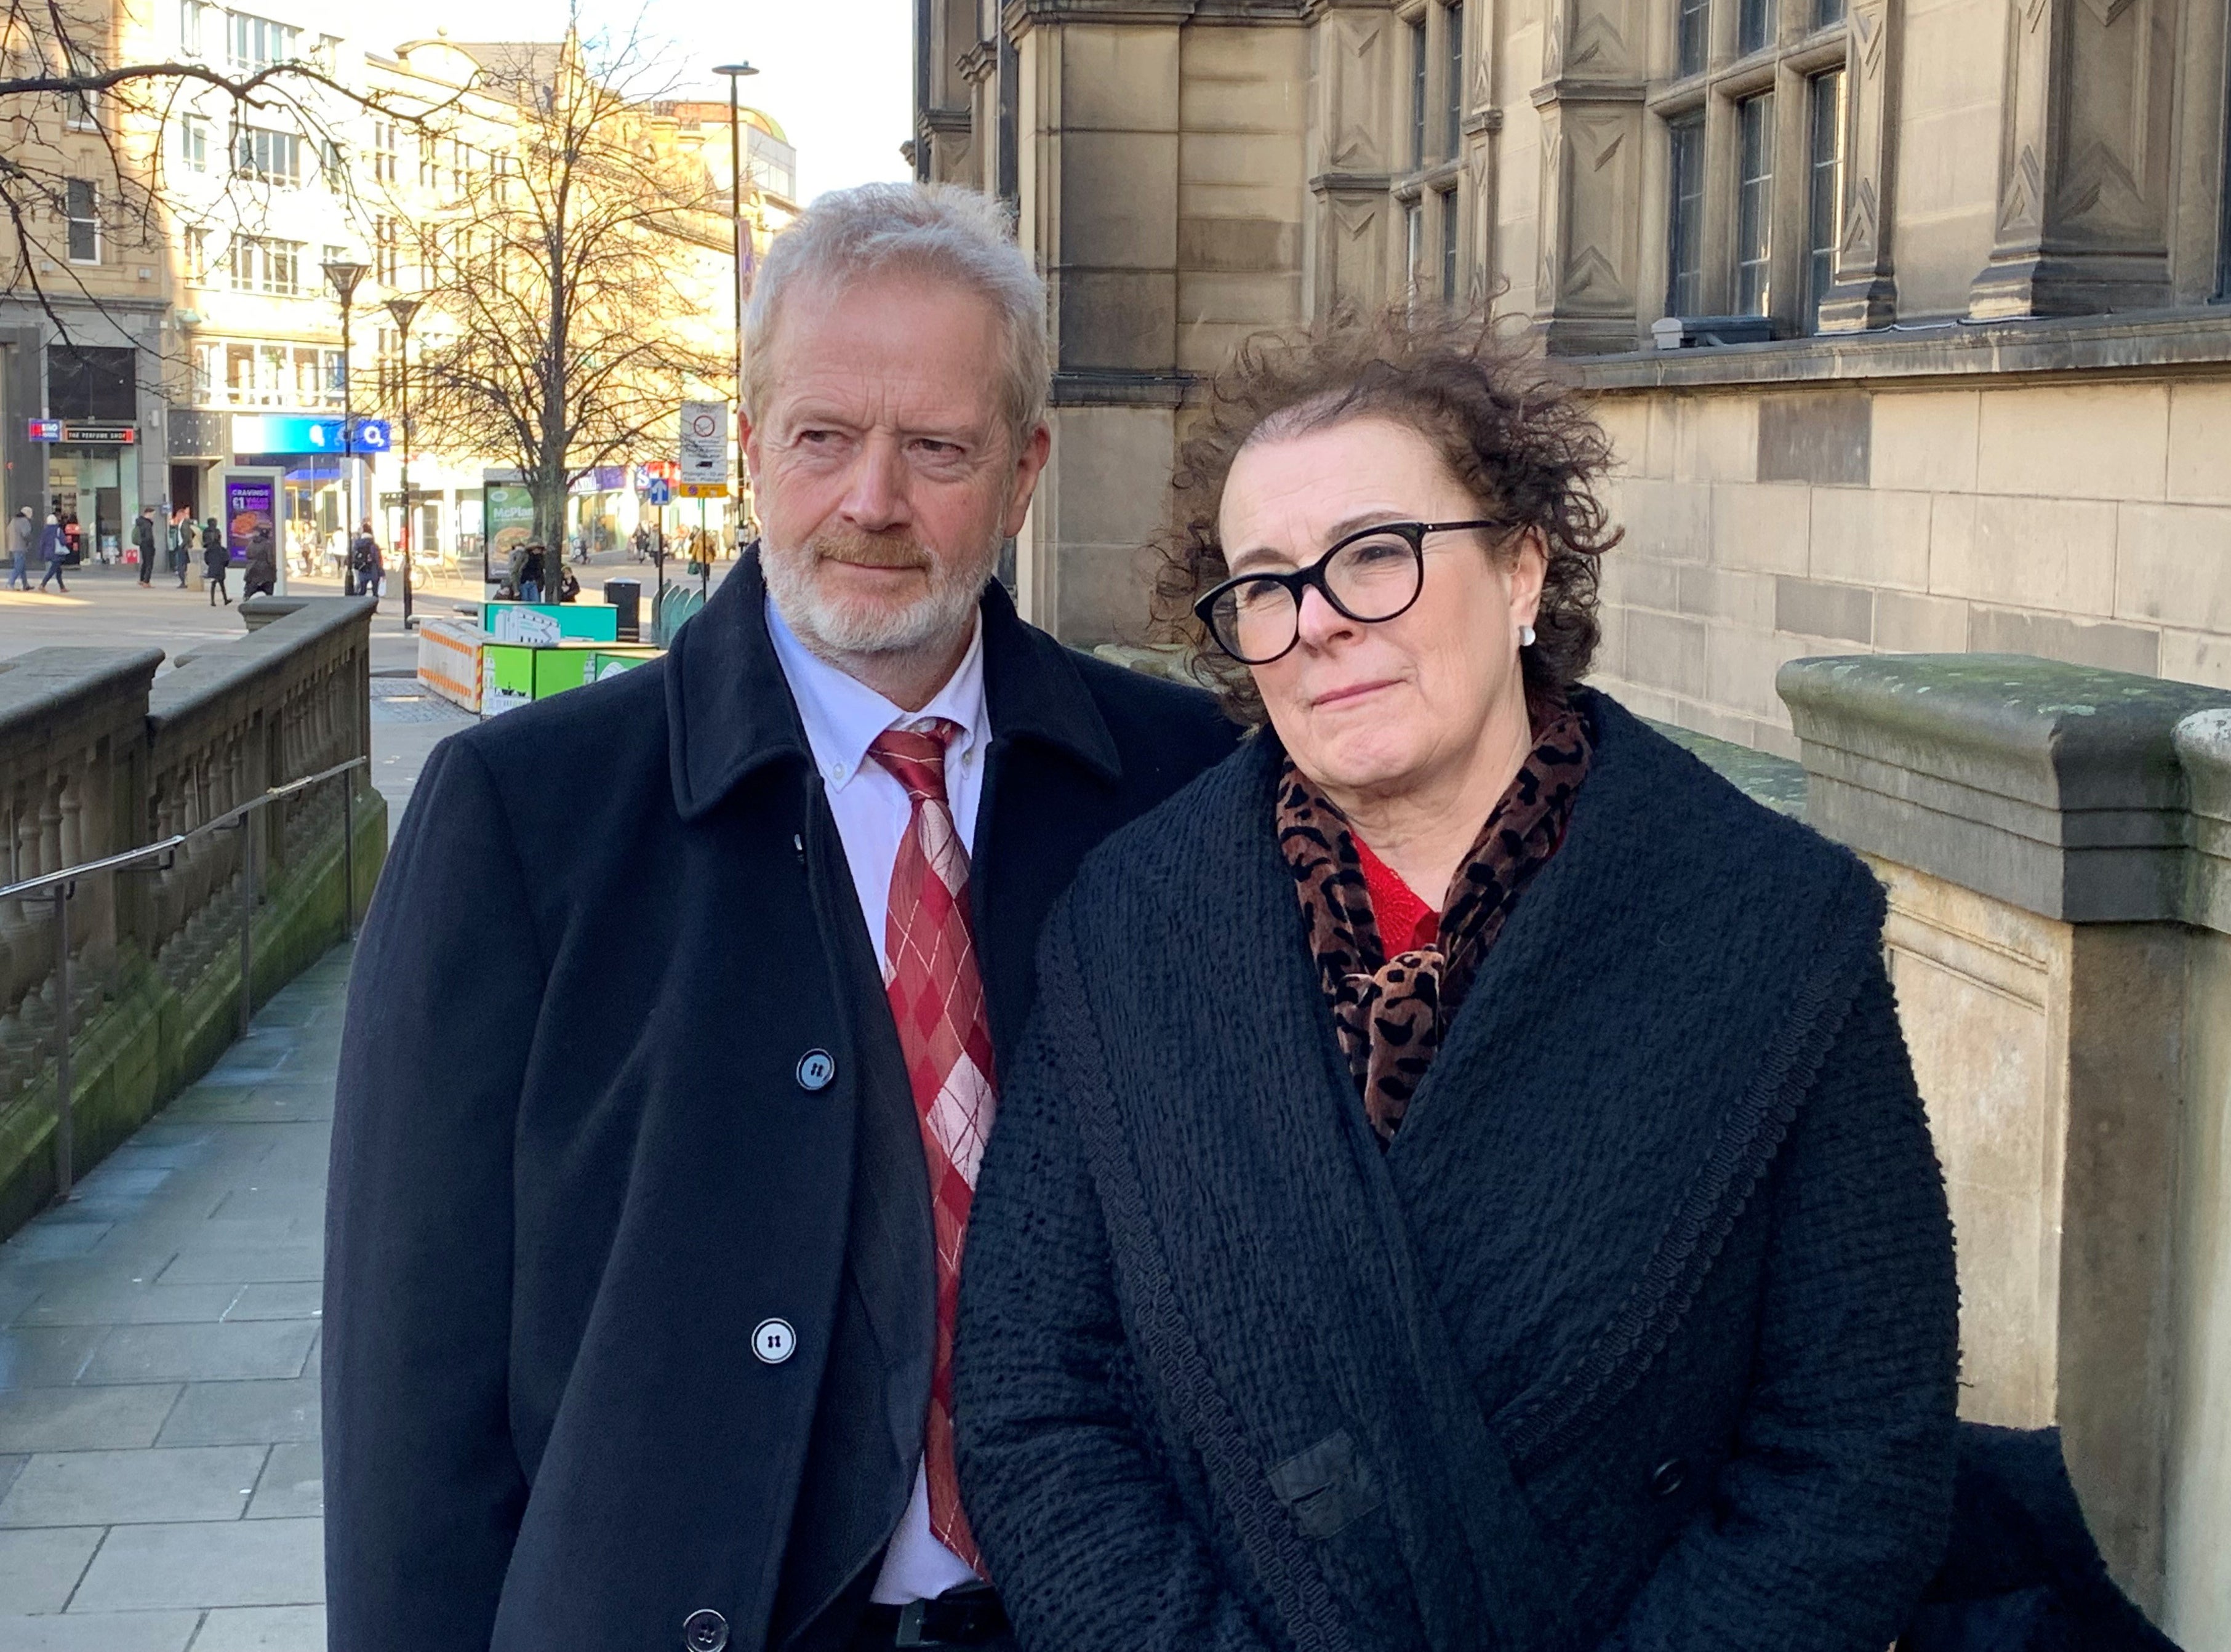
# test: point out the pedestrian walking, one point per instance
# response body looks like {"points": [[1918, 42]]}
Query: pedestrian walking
{"points": [[260, 577], [22, 534], [529, 580], [217, 562], [143, 540], [53, 548], [365, 569]]}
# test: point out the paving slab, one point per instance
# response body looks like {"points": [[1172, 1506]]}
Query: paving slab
{"points": [[201, 1353], [241, 1414], [293, 1485], [121, 1488], [100, 1632], [39, 1569], [263, 1629], [84, 1419], [206, 1563]]}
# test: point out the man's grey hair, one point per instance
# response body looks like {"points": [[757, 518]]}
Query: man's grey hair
{"points": [[936, 230]]}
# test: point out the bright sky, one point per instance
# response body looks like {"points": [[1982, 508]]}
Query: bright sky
{"points": [[836, 75]]}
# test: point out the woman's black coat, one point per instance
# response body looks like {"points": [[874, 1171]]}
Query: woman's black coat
{"points": [[1642, 1335]]}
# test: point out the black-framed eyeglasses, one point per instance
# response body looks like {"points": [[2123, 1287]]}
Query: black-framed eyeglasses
{"points": [[1372, 576]]}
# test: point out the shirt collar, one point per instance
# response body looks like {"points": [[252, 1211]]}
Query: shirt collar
{"points": [[841, 715]]}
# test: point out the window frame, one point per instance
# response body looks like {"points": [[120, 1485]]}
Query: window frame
{"points": [[1679, 96], [89, 219], [1820, 277], [1754, 201]]}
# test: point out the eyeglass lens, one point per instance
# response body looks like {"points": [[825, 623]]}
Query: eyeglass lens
{"points": [[1370, 579]]}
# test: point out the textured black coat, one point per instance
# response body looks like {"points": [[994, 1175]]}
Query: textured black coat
{"points": [[1642, 1334], [575, 1162]]}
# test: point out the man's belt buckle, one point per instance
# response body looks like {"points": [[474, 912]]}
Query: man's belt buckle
{"points": [[910, 1631]]}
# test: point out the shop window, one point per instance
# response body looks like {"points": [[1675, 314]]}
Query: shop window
{"points": [[1684, 293], [1754, 205], [91, 381], [1825, 204], [82, 208]]}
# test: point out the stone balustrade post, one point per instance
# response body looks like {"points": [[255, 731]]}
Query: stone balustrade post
{"points": [[2056, 844]]}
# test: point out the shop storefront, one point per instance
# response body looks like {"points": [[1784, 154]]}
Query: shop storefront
{"points": [[92, 485]]}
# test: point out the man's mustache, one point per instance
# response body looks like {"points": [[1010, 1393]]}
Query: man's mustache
{"points": [[872, 550]]}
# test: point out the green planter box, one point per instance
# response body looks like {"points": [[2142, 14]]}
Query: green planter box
{"points": [[593, 622]]}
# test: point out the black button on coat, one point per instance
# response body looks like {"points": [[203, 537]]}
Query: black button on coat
{"points": [[573, 1163]]}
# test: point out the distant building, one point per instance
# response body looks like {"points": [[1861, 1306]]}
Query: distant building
{"points": [[1944, 283], [205, 332]]}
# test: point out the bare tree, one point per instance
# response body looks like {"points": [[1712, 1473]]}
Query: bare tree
{"points": [[82, 138], [570, 284]]}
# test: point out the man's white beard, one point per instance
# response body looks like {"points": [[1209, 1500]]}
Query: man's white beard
{"points": [[831, 624]]}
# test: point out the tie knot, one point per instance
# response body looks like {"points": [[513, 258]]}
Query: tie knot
{"points": [[915, 757]]}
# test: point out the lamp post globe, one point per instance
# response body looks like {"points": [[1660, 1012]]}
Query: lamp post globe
{"points": [[404, 310], [343, 275]]}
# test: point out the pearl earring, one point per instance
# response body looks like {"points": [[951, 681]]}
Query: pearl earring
{"points": [[1526, 635]]}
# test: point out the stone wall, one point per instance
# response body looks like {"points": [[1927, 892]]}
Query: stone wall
{"points": [[102, 751], [2081, 517], [2055, 842]]}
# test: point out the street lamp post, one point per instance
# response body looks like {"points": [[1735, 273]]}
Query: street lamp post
{"points": [[344, 274], [736, 231], [404, 309]]}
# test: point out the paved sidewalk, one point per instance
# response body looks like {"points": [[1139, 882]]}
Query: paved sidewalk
{"points": [[160, 1483]]}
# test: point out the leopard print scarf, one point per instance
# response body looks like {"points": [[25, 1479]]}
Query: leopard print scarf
{"points": [[1391, 1013]]}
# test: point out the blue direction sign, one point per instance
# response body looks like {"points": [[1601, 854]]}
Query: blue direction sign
{"points": [[659, 491]]}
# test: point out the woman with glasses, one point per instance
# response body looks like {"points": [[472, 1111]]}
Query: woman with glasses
{"points": [[1465, 1187]]}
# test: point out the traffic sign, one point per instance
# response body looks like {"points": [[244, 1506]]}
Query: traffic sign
{"points": [[704, 445], [657, 491], [704, 490]]}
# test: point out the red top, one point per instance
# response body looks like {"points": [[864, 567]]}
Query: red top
{"points": [[1405, 923]]}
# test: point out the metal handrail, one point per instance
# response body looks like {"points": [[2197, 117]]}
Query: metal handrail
{"points": [[61, 886]]}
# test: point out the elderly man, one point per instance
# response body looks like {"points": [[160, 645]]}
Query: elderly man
{"points": [[677, 1025]]}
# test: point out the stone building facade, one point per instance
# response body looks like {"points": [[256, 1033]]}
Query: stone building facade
{"points": [[1908, 315]]}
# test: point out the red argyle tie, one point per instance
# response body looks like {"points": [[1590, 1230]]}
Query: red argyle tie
{"points": [[937, 999]]}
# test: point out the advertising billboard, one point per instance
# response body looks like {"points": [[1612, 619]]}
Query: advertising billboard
{"points": [[508, 521], [251, 514]]}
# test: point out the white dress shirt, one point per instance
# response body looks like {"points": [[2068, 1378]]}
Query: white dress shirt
{"points": [[843, 716]]}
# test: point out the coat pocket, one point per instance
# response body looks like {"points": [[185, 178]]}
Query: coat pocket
{"points": [[1326, 1488]]}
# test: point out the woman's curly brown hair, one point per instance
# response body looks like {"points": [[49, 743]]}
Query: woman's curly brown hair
{"points": [[1520, 443]]}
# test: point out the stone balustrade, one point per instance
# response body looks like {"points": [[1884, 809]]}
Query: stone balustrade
{"points": [[2056, 844], [102, 750]]}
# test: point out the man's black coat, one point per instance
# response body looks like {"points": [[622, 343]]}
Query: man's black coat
{"points": [[580, 1153]]}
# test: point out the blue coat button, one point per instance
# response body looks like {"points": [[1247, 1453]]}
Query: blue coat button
{"points": [[817, 1070]]}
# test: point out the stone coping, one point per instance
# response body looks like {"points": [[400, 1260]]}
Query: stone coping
{"points": [[2057, 788], [1777, 782], [2196, 338], [207, 676]]}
